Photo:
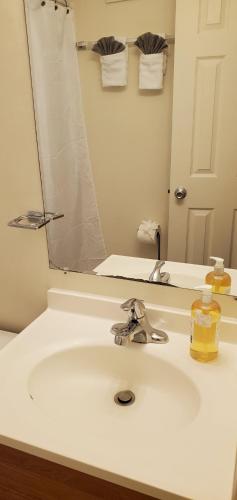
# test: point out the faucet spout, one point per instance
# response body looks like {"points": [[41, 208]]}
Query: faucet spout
{"points": [[137, 329]]}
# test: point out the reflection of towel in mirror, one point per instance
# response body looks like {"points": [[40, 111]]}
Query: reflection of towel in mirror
{"points": [[114, 69], [151, 71], [152, 60], [114, 63]]}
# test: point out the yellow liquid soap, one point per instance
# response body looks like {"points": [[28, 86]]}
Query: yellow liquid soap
{"points": [[220, 283], [205, 330]]}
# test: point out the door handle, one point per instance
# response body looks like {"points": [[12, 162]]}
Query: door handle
{"points": [[180, 193]]}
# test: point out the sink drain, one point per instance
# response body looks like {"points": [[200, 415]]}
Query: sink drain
{"points": [[124, 398]]}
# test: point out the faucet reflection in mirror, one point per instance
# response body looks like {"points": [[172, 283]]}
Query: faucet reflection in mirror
{"points": [[76, 242]]}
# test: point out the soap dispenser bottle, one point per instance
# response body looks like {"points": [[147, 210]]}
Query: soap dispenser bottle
{"points": [[219, 280], [206, 314]]}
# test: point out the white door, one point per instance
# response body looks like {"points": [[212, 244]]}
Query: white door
{"points": [[204, 143]]}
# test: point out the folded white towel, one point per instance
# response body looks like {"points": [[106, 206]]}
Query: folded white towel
{"points": [[151, 71], [114, 67]]}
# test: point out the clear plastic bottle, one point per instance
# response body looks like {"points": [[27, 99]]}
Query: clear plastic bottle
{"points": [[206, 314], [219, 280]]}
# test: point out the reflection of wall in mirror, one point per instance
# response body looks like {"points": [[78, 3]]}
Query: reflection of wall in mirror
{"points": [[113, 1], [129, 131]]}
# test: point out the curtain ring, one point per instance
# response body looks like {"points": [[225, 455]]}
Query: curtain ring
{"points": [[67, 7], [56, 5], [43, 3]]}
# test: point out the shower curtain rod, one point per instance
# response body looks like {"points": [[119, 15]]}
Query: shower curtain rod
{"points": [[87, 45]]}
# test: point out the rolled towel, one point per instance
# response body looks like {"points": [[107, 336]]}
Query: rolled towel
{"points": [[114, 68], [114, 61], [152, 61], [151, 71]]}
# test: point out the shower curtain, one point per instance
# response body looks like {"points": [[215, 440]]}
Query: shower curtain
{"points": [[76, 241]]}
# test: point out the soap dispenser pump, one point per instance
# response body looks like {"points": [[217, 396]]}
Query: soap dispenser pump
{"points": [[206, 314], [219, 280]]}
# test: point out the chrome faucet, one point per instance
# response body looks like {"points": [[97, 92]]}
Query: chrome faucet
{"points": [[137, 328], [156, 275]]}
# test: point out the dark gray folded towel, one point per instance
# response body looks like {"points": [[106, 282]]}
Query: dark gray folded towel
{"points": [[149, 43], [108, 45]]}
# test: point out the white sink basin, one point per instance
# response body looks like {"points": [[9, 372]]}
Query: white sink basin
{"points": [[58, 380], [77, 386]]}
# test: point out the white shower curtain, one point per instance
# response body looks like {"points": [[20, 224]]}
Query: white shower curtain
{"points": [[76, 241]]}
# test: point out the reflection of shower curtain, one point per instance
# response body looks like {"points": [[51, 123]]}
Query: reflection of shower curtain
{"points": [[76, 241]]}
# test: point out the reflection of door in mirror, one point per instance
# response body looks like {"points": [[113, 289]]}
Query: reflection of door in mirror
{"points": [[204, 146]]}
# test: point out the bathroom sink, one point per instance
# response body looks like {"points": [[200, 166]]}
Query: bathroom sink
{"points": [[61, 400], [77, 387]]}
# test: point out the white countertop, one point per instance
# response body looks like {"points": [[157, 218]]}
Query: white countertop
{"points": [[6, 337], [181, 274], [195, 462]]}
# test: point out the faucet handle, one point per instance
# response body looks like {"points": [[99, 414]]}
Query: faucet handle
{"points": [[156, 275], [135, 306], [160, 264], [128, 305]]}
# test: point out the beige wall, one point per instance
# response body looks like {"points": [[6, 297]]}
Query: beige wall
{"points": [[23, 253], [129, 136], [23, 256], [129, 131]]}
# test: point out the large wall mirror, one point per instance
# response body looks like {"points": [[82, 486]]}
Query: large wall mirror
{"points": [[141, 174]]}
